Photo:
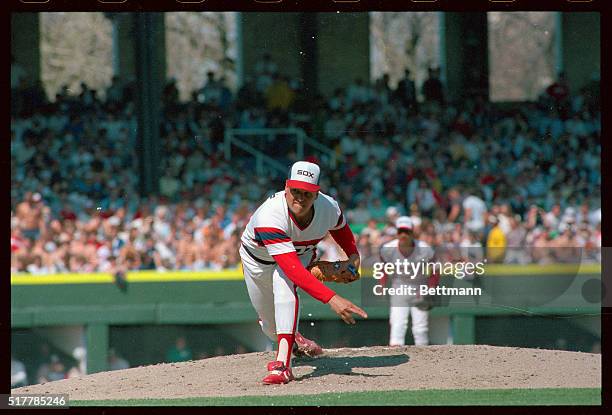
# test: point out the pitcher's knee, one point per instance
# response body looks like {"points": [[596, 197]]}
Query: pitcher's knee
{"points": [[286, 305]]}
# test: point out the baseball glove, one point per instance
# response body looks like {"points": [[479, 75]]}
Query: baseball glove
{"points": [[334, 272], [424, 303]]}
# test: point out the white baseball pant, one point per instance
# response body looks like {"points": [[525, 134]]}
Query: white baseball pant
{"points": [[398, 320], [273, 295]]}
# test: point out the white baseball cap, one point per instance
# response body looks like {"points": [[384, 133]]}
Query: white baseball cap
{"points": [[404, 222], [391, 211], [304, 175]]}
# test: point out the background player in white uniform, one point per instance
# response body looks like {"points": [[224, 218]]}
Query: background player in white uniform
{"points": [[278, 243], [403, 306]]}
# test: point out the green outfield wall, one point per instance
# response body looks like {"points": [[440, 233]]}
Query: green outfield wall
{"points": [[220, 299]]}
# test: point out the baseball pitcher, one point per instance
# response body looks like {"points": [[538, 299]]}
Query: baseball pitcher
{"points": [[278, 245], [405, 249]]}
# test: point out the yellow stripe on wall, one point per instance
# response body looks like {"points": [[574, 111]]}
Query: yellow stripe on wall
{"points": [[236, 274], [136, 276], [535, 269]]}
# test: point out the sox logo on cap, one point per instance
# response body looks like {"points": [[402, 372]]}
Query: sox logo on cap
{"points": [[304, 175]]}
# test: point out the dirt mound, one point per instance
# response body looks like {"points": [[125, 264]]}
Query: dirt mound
{"points": [[343, 370]]}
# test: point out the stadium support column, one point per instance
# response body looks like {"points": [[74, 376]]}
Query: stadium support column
{"points": [[25, 43], [96, 336], [149, 34], [466, 45], [343, 49], [273, 33], [464, 328], [124, 59], [308, 53], [581, 47]]}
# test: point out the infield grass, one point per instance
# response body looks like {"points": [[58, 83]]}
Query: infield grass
{"points": [[446, 397]]}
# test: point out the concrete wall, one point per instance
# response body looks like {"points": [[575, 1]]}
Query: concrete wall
{"points": [[581, 43], [342, 46], [25, 42]]}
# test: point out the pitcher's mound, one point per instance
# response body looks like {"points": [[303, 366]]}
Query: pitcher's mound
{"points": [[343, 370]]}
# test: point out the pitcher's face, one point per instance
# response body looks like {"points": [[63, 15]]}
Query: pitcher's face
{"points": [[300, 201]]}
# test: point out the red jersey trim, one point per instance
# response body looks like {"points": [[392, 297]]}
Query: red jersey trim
{"points": [[295, 221]]}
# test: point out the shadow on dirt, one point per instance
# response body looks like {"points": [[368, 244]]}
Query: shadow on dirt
{"points": [[344, 365]]}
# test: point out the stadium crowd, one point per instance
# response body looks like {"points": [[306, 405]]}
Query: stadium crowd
{"points": [[469, 173]]}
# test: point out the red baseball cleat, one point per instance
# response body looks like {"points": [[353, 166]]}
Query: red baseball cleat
{"points": [[278, 374], [306, 347]]}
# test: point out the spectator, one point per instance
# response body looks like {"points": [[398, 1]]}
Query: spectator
{"points": [[19, 376], [211, 91], [248, 95], [416, 217], [406, 91], [432, 87], [425, 198], [471, 248], [170, 94], [169, 186], [189, 255], [180, 352], [225, 95], [29, 215], [566, 246], [455, 204], [475, 210], [56, 370], [116, 362], [360, 214], [77, 161], [496, 242], [357, 93], [114, 93], [279, 96], [372, 232], [552, 219], [559, 90], [265, 69], [516, 240]]}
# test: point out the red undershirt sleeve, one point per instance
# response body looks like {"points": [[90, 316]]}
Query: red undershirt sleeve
{"points": [[383, 280], [295, 271], [434, 279], [345, 238]]}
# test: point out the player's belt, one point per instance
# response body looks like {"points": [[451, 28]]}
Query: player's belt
{"points": [[252, 255]]}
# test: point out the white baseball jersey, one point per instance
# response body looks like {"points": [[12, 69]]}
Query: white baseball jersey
{"points": [[422, 252], [272, 230]]}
